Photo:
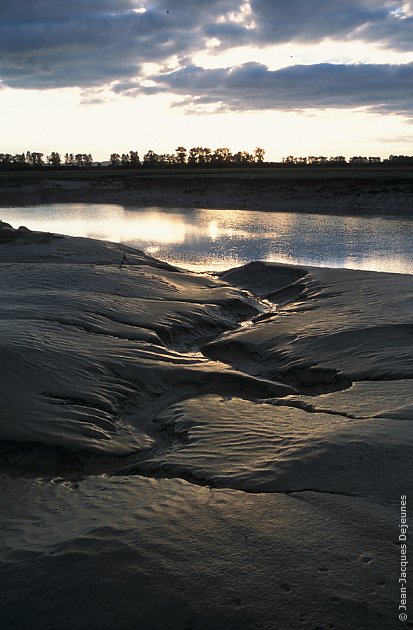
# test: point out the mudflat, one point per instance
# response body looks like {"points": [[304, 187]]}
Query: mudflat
{"points": [[186, 451]]}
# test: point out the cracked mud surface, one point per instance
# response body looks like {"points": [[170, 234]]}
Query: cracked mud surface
{"points": [[233, 447]]}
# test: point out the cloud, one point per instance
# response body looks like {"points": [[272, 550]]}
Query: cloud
{"points": [[302, 21], [91, 43], [49, 44], [395, 31], [251, 86], [46, 44], [387, 22]]}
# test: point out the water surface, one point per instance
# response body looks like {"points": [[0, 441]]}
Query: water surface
{"points": [[218, 239]]}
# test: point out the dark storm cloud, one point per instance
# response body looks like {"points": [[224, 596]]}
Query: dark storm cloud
{"points": [[304, 21], [90, 43], [386, 88], [48, 43], [386, 22], [392, 32]]}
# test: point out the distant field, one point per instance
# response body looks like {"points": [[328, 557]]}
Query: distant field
{"points": [[281, 173]]}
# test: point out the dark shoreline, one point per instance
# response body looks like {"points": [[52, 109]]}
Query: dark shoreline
{"points": [[353, 192]]}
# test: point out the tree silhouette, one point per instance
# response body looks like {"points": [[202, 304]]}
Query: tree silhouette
{"points": [[180, 155], [199, 157], [151, 158], [6, 159], [193, 156], [114, 159], [54, 159], [83, 159], [34, 159], [358, 159], [338, 159], [19, 158], [221, 156], [134, 158], [259, 155]]}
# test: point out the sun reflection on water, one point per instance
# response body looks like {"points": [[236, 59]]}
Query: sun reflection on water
{"points": [[206, 239]]}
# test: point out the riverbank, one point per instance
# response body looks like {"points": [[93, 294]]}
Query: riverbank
{"points": [[185, 451], [334, 191]]}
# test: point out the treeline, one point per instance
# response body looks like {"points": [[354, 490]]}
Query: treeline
{"points": [[34, 159], [317, 160], [195, 157]]}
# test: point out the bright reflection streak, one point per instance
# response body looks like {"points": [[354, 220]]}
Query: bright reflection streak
{"points": [[390, 265], [205, 239], [213, 230], [112, 222], [209, 264]]}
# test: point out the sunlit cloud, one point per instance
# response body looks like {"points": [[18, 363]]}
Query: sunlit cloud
{"points": [[46, 44], [290, 54], [252, 86]]}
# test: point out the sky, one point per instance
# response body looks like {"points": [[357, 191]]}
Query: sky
{"points": [[300, 77]]}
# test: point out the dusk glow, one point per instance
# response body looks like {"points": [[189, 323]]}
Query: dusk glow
{"points": [[117, 75]]}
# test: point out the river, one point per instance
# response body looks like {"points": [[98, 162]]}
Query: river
{"points": [[218, 239]]}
